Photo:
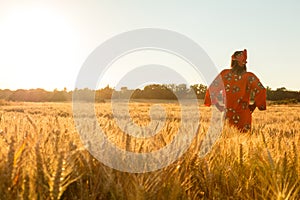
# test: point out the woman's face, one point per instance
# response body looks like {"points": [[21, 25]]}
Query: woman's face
{"points": [[241, 59]]}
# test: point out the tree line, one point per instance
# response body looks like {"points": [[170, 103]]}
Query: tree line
{"points": [[153, 91]]}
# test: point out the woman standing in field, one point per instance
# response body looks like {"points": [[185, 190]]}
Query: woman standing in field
{"points": [[236, 86]]}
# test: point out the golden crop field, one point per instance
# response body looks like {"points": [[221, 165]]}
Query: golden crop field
{"points": [[42, 156]]}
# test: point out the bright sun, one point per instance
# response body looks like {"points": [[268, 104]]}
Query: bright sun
{"points": [[35, 40]]}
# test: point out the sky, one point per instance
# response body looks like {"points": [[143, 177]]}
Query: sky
{"points": [[44, 44]]}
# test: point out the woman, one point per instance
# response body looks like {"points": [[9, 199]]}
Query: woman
{"points": [[236, 85]]}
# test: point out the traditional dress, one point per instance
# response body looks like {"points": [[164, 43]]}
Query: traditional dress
{"points": [[236, 90]]}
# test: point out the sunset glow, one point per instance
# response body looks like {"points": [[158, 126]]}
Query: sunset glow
{"points": [[44, 44]]}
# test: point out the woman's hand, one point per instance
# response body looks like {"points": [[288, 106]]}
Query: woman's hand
{"points": [[220, 108], [252, 107]]}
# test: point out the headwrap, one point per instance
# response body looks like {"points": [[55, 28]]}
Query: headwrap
{"points": [[240, 57]]}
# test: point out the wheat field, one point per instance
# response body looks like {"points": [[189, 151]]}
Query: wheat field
{"points": [[42, 156]]}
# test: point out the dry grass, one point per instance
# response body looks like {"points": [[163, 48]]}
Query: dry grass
{"points": [[41, 157]]}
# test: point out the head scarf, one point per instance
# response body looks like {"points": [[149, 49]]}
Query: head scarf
{"points": [[240, 57]]}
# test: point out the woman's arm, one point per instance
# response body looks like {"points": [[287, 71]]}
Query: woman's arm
{"points": [[260, 94], [213, 91]]}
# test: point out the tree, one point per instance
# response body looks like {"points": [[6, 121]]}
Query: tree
{"points": [[156, 91], [200, 90], [104, 93], [60, 96]]}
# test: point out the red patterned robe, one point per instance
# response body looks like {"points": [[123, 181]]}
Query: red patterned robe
{"points": [[236, 91]]}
